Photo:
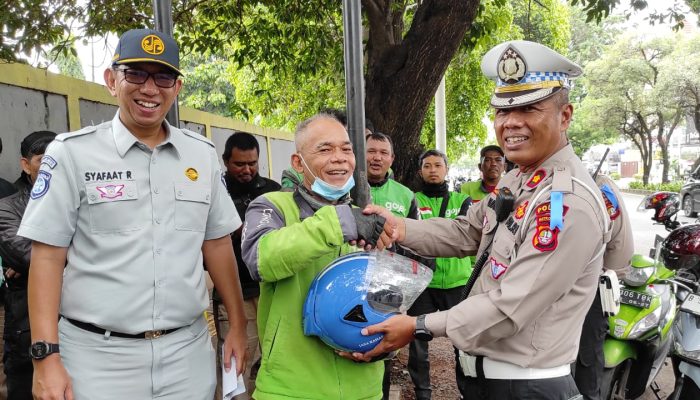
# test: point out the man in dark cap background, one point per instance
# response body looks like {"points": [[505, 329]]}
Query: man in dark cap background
{"points": [[15, 252], [491, 165], [123, 217]]}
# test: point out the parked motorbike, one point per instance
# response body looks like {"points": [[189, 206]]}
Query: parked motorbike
{"points": [[681, 251], [640, 335]]}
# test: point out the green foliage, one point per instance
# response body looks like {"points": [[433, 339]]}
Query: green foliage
{"points": [[467, 90], [67, 61], [674, 186]]}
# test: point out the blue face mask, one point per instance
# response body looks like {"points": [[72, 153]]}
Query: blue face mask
{"points": [[325, 189]]}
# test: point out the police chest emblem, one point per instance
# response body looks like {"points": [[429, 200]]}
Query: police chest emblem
{"points": [[192, 174], [511, 66], [497, 269], [520, 211], [110, 191], [41, 185]]}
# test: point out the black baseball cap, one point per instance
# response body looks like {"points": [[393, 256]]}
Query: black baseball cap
{"points": [[147, 45], [491, 147]]}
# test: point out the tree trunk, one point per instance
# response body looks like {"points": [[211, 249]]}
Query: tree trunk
{"points": [[401, 79], [663, 146]]}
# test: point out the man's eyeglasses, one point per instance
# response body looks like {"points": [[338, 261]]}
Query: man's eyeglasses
{"points": [[139, 77]]}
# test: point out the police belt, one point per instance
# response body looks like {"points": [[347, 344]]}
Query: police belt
{"points": [[484, 367], [143, 335]]}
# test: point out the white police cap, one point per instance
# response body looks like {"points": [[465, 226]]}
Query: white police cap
{"points": [[526, 73]]}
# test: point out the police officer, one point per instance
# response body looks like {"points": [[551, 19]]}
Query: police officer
{"points": [[491, 165], [123, 216], [590, 363], [435, 200], [541, 237]]}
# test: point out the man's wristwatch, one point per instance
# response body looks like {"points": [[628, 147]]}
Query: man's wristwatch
{"points": [[40, 350], [421, 332]]}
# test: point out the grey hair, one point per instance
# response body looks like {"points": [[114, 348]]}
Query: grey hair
{"points": [[303, 125]]}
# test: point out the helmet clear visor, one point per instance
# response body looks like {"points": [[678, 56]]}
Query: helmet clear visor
{"points": [[394, 282]]}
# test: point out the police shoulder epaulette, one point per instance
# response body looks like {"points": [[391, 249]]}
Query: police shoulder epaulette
{"points": [[561, 180], [197, 136], [68, 135]]}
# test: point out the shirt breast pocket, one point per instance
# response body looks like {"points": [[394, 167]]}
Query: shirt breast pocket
{"points": [[191, 207], [111, 207]]}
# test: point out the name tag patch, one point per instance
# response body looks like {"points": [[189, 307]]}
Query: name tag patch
{"points": [[41, 185], [97, 176]]}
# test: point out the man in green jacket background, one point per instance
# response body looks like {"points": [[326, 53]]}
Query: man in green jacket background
{"points": [[491, 164], [450, 274], [288, 238], [385, 191]]}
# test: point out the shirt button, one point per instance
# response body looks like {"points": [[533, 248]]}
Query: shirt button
{"points": [[92, 197], [207, 197], [159, 284], [158, 251], [155, 190], [153, 160], [179, 192], [157, 220]]}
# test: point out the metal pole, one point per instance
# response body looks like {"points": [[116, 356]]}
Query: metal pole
{"points": [[440, 118], [163, 16], [355, 96]]}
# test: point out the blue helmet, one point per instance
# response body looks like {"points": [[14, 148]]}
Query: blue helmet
{"points": [[359, 290]]}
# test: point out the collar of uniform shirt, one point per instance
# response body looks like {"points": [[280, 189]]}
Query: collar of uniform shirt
{"points": [[124, 139]]}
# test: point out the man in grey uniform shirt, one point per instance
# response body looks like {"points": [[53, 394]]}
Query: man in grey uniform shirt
{"points": [[123, 217], [543, 248]]}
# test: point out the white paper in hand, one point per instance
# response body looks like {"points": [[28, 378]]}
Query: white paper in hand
{"points": [[231, 385]]}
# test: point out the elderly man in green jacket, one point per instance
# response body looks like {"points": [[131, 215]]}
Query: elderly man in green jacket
{"points": [[288, 238]]}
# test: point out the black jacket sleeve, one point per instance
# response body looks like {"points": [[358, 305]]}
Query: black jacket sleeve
{"points": [[14, 250]]}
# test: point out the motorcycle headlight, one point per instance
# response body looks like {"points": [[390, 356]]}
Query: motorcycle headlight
{"points": [[650, 321], [690, 355], [638, 276]]}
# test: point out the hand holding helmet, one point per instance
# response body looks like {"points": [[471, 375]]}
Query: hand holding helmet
{"points": [[359, 290]]}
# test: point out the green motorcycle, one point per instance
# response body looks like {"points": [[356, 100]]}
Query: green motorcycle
{"points": [[640, 335]]}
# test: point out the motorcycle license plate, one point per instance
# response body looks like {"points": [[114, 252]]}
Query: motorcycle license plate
{"points": [[691, 304], [635, 298]]}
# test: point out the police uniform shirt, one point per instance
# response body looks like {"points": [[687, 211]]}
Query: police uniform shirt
{"points": [[133, 220], [528, 305]]}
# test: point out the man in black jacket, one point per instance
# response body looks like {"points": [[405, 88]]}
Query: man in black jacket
{"points": [[244, 184], [15, 252]]}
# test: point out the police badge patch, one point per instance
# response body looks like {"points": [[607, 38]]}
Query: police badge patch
{"points": [[41, 185], [497, 269]]}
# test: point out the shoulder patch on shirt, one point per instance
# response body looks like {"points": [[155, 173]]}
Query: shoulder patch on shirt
{"points": [[69, 135], [49, 161], [195, 135], [41, 185], [425, 211], [545, 239], [223, 180], [536, 179], [543, 213]]}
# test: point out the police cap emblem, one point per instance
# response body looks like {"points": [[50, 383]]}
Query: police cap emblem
{"points": [[511, 66]]}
